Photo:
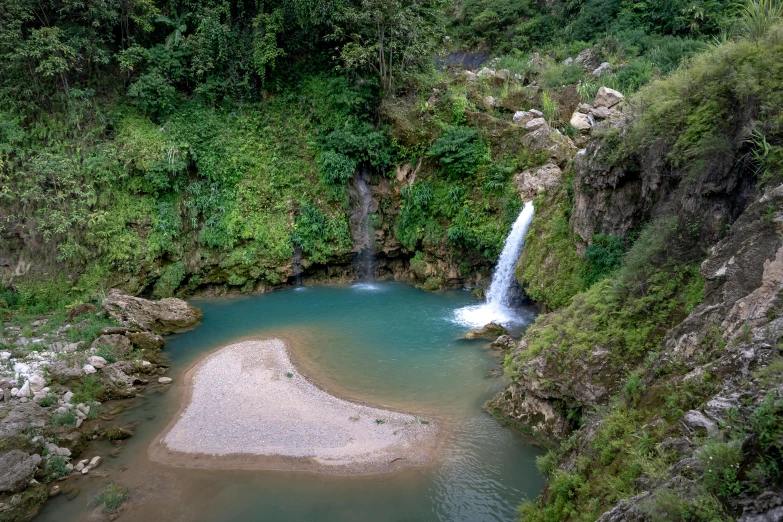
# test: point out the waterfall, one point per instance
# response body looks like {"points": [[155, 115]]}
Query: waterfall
{"points": [[297, 265], [364, 241], [504, 271], [497, 308]]}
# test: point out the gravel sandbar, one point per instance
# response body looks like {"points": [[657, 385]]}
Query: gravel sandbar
{"points": [[247, 407]]}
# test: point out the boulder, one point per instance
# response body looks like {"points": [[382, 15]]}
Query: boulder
{"points": [[486, 72], [162, 317], [535, 124], [97, 361], [25, 391], [522, 117], [604, 68], [532, 182], [146, 340], [602, 113], [503, 74], [118, 344], [165, 380], [16, 470], [89, 369], [75, 311], [65, 370], [37, 383], [580, 122], [490, 331], [607, 97], [504, 342]]}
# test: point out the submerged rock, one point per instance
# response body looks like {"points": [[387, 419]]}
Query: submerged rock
{"points": [[162, 317]]}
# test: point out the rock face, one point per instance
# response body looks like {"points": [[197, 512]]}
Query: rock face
{"points": [[162, 317], [16, 470], [532, 182]]}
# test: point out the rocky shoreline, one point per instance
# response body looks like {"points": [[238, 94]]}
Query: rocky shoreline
{"points": [[58, 374]]}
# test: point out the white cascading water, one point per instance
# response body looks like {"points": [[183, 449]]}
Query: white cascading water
{"points": [[497, 306]]}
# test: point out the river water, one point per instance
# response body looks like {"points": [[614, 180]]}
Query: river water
{"points": [[387, 344]]}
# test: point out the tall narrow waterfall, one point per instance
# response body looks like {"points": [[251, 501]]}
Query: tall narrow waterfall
{"points": [[504, 271], [362, 207], [497, 308]]}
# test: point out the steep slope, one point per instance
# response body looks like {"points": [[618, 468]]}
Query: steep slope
{"points": [[674, 354]]}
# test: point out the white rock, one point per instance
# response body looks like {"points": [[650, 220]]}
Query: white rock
{"points": [[79, 466], [85, 470], [602, 69], [490, 100], [89, 369], [580, 122], [80, 414], [72, 347], [486, 71], [95, 462], [4, 356], [165, 380], [24, 391], [146, 363], [61, 410], [37, 383], [97, 361], [79, 421], [535, 124], [14, 392], [69, 467], [606, 97], [51, 448], [68, 396], [36, 459], [63, 452], [83, 408]]}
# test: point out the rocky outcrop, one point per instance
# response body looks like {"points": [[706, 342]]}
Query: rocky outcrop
{"points": [[532, 182], [489, 331], [16, 470], [169, 315]]}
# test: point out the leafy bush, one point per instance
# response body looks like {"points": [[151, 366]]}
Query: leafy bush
{"points": [[604, 255], [67, 418], [335, 168], [721, 461], [56, 467], [111, 498], [88, 390], [459, 151]]}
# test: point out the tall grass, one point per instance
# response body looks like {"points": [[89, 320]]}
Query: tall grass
{"points": [[757, 16]]}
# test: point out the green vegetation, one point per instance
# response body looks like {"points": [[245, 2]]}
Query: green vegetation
{"points": [[56, 467], [111, 498], [67, 418]]}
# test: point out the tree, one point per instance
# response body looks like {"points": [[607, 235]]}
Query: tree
{"points": [[387, 36]]}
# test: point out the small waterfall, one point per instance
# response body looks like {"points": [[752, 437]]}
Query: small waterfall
{"points": [[497, 306], [502, 279], [297, 265], [364, 237]]}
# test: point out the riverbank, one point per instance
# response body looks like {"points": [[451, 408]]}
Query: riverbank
{"points": [[248, 407]]}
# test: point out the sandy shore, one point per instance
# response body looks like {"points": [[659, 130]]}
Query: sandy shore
{"points": [[247, 407]]}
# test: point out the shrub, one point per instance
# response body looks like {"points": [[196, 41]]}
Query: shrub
{"points": [[111, 498], [459, 151], [56, 467], [335, 168], [604, 255], [88, 390], [721, 462], [67, 418]]}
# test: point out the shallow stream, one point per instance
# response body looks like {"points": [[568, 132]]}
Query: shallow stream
{"points": [[386, 344]]}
